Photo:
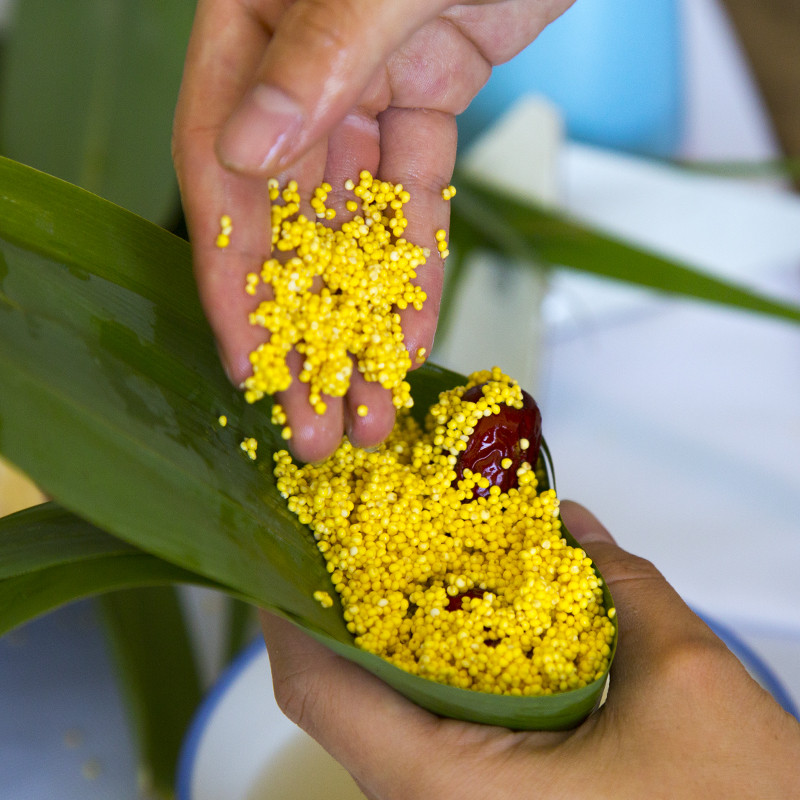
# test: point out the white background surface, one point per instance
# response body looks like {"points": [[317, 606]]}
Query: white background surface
{"points": [[678, 423]]}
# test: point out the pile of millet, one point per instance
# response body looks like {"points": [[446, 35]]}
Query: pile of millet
{"points": [[476, 592], [475, 589], [336, 291]]}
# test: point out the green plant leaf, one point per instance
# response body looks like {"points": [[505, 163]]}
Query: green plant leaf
{"points": [[154, 656], [49, 557], [89, 90], [111, 393], [242, 621], [749, 170], [518, 227], [46, 536]]}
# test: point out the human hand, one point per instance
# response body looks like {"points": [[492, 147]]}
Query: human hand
{"points": [[316, 91], [683, 718]]}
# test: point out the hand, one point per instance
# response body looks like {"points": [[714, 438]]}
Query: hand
{"points": [[683, 718], [317, 90]]}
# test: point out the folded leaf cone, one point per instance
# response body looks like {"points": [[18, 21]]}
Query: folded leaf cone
{"points": [[111, 392]]}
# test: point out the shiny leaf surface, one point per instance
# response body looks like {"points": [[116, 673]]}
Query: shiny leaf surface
{"points": [[49, 557], [111, 390]]}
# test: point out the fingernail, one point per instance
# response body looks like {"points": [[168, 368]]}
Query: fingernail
{"points": [[260, 130], [227, 366]]}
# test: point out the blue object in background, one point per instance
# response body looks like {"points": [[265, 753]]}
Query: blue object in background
{"points": [[614, 67], [64, 728]]}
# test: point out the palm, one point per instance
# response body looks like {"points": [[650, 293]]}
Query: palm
{"points": [[375, 86]]}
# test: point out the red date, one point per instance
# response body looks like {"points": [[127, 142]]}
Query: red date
{"points": [[499, 437], [454, 601]]}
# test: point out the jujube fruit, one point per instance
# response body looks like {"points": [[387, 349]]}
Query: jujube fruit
{"points": [[501, 442]]}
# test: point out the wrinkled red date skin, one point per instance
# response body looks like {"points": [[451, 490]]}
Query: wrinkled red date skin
{"points": [[454, 601], [497, 437]]}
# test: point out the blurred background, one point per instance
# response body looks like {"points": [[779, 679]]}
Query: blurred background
{"points": [[676, 422]]}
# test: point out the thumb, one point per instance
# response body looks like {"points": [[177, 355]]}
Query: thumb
{"points": [[655, 624], [321, 58]]}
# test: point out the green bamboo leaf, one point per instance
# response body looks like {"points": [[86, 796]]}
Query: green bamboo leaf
{"points": [[517, 226], [111, 389], [111, 393], [89, 89], [45, 536], [49, 557], [24, 597], [154, 657], [241, 621], [749, 170]]}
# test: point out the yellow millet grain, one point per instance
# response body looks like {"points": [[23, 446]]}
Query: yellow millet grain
{"points": [[278, 416], [404, 546], [225, 230], [336, 292], [323, 598], [250, 446]]}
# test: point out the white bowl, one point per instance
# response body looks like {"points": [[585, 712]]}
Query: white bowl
{"points": [[241, 747]]}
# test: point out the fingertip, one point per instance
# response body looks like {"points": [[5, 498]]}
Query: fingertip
{"points": [[369, 412], [369, 426], [419, 329], [315, 437], [235, 364], [311, 446]]}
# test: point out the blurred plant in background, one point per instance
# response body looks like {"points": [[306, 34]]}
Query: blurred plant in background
{"points": [[87, 92]]}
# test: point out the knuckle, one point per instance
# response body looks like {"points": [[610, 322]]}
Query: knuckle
{"points": [[694, 663], [325, 24], [619, 567]]}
